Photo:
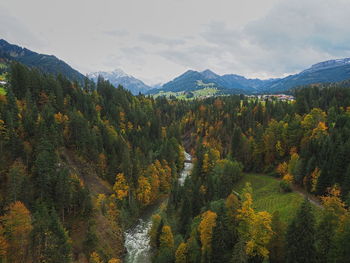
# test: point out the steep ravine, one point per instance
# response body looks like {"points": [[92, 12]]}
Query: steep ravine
{"points": [[136, 238]]}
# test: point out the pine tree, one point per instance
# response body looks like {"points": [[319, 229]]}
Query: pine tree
{"points": [[221, 240], [277, 242], [300, 238], [50, 240], [340, 252]]}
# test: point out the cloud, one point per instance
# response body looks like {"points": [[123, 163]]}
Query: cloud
{"points": [[116, 32], [11, 28], [156, 40], [159, 39], [291, 36]]}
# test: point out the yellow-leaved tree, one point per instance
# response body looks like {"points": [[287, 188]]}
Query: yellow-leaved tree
{"points": [[166, 238], [153, 174], [121, 187], [95, 258], [314, 178], [205, 228], [181, 253], [282, 169], [114, 260], [17, 224], [143, 191], [254, 227], [3, 244], [156, 220], [332, 203]]}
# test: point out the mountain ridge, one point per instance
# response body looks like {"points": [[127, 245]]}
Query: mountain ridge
{"points": [[46, 63], [323, 72]]}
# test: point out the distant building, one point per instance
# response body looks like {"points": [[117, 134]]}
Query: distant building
{"points": [[282, 97]]}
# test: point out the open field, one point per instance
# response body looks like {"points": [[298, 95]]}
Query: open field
{"points": [[2, 91], [267, 196], [200, 93]]}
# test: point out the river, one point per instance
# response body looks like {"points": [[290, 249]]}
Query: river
{"points": [[137, 239]]}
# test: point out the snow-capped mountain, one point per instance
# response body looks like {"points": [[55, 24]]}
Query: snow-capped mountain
{"points": [[328, 64], [119, 77]]}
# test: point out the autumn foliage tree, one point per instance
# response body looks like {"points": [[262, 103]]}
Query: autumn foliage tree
{"points": [[166, 238], [143, 191], [17, 224], [121, 187], [3, 244], [181, 253], [254, 227], [205, 228]]}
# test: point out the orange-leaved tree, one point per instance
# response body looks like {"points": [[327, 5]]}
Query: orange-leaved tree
{"points": [[17, 224], [205, 228], [121, 187]]}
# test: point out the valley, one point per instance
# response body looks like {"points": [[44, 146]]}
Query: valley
{"points": [[174, 131], [96, 174]]}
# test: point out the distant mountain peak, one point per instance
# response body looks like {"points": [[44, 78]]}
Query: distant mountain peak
{"points": [[209, 74], [116, 73], [118, 77], [120, 73], [328, 64]]}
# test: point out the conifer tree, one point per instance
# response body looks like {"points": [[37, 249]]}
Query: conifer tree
{"points": [[300, 238]]}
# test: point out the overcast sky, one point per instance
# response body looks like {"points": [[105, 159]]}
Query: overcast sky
{"points": [[156, 40]]}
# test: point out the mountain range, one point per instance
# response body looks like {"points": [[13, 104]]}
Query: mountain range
{"points": [[190, 81], [323, 72], [118, 77]]}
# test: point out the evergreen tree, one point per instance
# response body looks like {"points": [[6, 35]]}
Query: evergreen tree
{"points": [[277, 242], [300, 238]]}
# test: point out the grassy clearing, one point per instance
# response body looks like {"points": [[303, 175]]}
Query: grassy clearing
{"points": [[267, 196], [200, 93], [2, 91]]}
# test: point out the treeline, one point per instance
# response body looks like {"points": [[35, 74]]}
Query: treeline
{"points": [[46, 124], [304, 142]]}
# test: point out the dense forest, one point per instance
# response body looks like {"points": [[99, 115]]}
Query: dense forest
{"points": [[80, 163], [304, 143]]}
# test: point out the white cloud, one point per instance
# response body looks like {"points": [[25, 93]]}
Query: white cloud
{"points": [[156, 40]]}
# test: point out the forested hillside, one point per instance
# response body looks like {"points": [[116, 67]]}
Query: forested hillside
{"points": [[80, 164], [46, 63], [303, 143]]}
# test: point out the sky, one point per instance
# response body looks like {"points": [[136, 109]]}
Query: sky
{"points": [[157, 40]]}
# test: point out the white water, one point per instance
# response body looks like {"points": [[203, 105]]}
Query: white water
{"points": [[187, 168], [137, 239], [137, 243]]}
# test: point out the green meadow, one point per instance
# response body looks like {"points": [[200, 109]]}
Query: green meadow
{"points": [[268, 197]]}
